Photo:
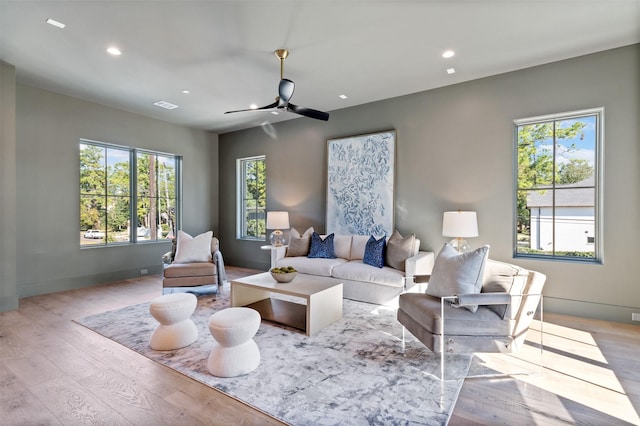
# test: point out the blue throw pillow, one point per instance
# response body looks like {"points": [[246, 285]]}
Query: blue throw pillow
{"points": [[374, 252], [321, 248]]}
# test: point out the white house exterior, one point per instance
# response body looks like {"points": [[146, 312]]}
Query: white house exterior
{"points": [[574, 217]]}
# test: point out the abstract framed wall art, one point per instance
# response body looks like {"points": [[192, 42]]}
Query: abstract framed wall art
{"points": [[360, 184]]}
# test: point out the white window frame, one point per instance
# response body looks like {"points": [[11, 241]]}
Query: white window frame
{"points": [[598, 184], [241, 185]]}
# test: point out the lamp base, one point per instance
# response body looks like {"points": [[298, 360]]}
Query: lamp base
{"points": [[461, 245], [277, 238]]}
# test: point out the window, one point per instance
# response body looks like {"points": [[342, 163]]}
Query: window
{"points": [[252, 198], [558, 186], [121, 186]]}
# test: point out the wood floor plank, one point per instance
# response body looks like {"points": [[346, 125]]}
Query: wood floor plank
{"points": [[54, 371], [73, 404], [33, 369], [216, 408], [133, 400], [18, 405]]}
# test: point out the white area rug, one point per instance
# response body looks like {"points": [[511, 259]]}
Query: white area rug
{"points": [[353, 372]]}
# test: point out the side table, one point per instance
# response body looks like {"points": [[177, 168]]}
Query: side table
{"points": [[273, 250]]}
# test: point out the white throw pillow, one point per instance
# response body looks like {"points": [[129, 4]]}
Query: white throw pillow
{"points": [[454, 273], [193, 249]]}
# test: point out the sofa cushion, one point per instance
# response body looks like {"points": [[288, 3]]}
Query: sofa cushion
{"points": [[299, 244], [311, 266], [321, 248], [193, 249], [358, 244], [399, 249], [500, 277], [374, 252], [342, 246], [454, 273], [355, 270], [177, 270]]}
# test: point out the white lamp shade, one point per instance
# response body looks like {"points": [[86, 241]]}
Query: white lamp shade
{"points": [[460, 224], [277, 220]]}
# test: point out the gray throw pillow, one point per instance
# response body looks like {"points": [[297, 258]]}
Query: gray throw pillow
{"points": [[504, 278], [299, 244], [455, 273], [399, 249]]}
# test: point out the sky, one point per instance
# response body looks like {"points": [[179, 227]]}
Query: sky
{"points": [[585, 142]]}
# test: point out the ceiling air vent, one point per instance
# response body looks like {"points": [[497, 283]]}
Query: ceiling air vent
{"points": [[165, 104]]}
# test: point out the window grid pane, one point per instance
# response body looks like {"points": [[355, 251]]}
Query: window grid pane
{"points": [[105, 195], [557, 186], [252, 198]]}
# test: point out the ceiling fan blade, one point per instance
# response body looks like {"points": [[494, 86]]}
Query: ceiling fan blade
{"points": [[308, 112], [273, 105], [285, 90]]}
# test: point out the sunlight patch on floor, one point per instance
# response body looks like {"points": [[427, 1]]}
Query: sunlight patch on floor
{"points": [[581, 375]]}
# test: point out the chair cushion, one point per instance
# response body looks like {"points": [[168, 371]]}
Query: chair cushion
{"points": [[399, 249], [193, 249], [178, 270], [299, 244], [454, 273], [425, 310]]}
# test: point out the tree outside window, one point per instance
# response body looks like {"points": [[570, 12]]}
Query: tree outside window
{"points": [[107, 195], [156, 196], [252, 198], [557, 211]]}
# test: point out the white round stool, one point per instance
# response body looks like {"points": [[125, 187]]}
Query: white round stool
{"points": [[176, 329], [234, 352]]}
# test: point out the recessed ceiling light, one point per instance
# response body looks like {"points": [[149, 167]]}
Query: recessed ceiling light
{"points": [[451, 70], [114, 51], [253, 106], [55, 23], [343, 97], [274, 112], [448, 54], [165, 104], [186, 92]]}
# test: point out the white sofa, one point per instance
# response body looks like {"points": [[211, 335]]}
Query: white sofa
{"points": [[360, 281]]}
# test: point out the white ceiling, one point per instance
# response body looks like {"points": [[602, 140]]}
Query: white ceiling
{"points": [[222, 51]]}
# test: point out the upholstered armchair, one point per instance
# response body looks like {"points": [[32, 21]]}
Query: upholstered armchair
{"points": [[494, 319], [193, 261]]}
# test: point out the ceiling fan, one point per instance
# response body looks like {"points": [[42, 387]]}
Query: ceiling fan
{"points": [[285, 92]]}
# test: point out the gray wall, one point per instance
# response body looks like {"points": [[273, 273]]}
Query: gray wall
{"points": [[8, 289], [48, 129], [455, 151]]}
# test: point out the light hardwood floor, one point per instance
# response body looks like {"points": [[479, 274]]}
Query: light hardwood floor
{"points": [[53, 371]]}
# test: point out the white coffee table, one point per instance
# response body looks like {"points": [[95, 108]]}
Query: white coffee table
{"points": [[321, 300]]}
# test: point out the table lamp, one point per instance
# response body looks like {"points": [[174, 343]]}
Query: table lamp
{"points": [[460, 225], [277, 221]]}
